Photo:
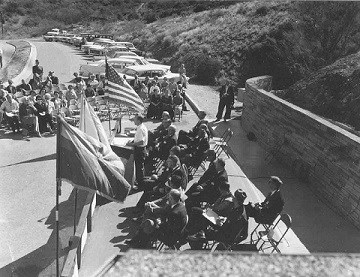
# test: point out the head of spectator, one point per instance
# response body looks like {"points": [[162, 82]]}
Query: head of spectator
{"points": [[147, 79], [210, 155], [156, 90], [180, 87], [239, 197], [171, 131], [138, 119], [224, 188], [32, 93], [88, 85], [76, 75], [165, 115], [23, 82], [37, 62], [201, 115], [174, 197], [172, 80], [102, 77], [10, 82], [47, 96], [70, 87], [172, 162], [39, 99], [275, 183], [175, 182], [51, 73], [166, 123], [124, 76], [220, 164], [202, 133], [175, 151], [177, 93], [56, 95]]}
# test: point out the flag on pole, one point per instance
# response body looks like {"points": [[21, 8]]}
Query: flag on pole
{"points": [[119, 90], [90, 165]]}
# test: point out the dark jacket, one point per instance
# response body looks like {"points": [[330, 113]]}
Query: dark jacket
{"points": [[210, 171], [235, 224], [272, 205], [176, 219], [227, 95]]}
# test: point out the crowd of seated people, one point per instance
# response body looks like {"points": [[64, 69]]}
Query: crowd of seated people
{"points": [[31, 107], [165, 95]]}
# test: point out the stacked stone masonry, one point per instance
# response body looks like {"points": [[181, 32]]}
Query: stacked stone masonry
{"points": [[324, 155]]}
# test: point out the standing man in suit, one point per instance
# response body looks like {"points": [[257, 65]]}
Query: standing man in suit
{"points": [[226, 100], [267, 211]]}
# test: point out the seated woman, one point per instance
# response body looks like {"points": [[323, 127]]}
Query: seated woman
{"points": [[28, 118], [10, 110], [154, 109]]}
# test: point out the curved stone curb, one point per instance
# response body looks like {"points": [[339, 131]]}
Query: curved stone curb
{"points": [[27, 70]]}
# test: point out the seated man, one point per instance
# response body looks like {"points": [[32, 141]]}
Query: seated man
{"points": [[208, 190], [162, 147], [10, 110], [222, 207], [168, 228], [193, 153], [154, 186], [28, 118], [185, 137], [210, 157], [161, 129], [235, 226], [267, 211], [43, 113]]}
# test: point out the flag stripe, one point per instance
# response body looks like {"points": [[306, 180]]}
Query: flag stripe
{"points": [[119, 90], [114, 95], [115, 92]]}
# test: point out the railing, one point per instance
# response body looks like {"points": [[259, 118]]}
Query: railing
{"points": [[77, 242]]}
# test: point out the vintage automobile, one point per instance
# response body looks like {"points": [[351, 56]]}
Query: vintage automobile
{"points": [[118, 54], [49, 36], [95, 44], [99, 67], [143, 61], [149, 70]]}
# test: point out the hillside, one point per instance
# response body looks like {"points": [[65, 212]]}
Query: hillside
{"points": [[332, 92], [288, 40]]}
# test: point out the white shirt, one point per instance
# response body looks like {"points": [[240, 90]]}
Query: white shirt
{"points": [[141, 135], [9, 107]]}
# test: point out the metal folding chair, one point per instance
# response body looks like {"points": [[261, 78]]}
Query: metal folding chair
{"points": [[267, 236], [222, 144], [265, 226], [161, 244]]}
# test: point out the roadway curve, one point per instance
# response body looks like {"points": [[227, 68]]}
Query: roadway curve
{"points": [[27, 185]]}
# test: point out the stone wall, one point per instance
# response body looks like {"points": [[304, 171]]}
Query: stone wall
{"points": [[319, 152]]}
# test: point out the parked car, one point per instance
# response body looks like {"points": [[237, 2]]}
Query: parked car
{"points": [[49, 36], [143, 61], [99, 67], [118, 54], [149, 70], [93, 44], [76, 40]]}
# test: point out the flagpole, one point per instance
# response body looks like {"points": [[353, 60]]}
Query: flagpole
{"points": [[58, 192]]}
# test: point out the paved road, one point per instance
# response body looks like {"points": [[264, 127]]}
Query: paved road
{"points": [[27, 185]]}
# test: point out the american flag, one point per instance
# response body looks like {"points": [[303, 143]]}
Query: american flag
{"points": [[120, 91]]}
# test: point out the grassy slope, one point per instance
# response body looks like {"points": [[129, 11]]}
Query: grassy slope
{"points": [[248, 39]]}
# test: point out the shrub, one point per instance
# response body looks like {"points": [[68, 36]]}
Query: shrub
{"points": [[262, 11]]}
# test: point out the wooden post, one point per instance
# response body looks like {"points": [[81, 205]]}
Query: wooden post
{"points": [[58, 192]]}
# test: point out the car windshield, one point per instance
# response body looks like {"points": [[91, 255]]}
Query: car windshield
{"points": [[119, 54], [130, 72]]}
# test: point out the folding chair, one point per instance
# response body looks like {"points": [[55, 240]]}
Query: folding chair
{"points": [[267, 236], [265, 226], [222, 144], [241, 236], [174, 246]]}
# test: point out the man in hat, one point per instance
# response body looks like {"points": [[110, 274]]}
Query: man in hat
{"points": [[267, 211], [226, 230]]}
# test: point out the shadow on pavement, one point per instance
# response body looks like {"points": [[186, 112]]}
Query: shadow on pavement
{"points": [[42, 261], [39, 159]]}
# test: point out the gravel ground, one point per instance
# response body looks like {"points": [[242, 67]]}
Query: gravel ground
{"points": [[147, 263]]}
